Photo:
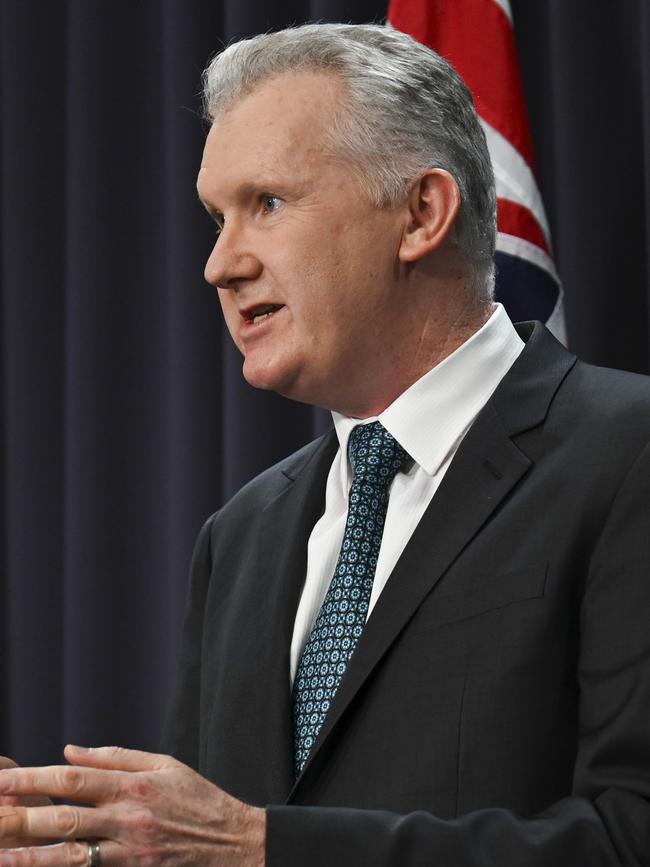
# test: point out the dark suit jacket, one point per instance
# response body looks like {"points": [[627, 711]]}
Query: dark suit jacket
{"points": [[497, 708]]}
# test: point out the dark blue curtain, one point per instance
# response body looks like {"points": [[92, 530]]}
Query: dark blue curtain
{"points": [[125, 420]]}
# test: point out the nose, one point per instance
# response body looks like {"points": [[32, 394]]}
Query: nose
{"points": [[231, 261]]}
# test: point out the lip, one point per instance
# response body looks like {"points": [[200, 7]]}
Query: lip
{"points": [[249, 329], [246, 313]]}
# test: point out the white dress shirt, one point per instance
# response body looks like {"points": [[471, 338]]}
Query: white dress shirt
{"points": [[429, 420]]}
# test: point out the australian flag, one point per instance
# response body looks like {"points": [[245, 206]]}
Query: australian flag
{"points": [[477, 38]]}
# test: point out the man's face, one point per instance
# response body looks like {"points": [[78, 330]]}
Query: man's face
{"points": [[305, 265]]}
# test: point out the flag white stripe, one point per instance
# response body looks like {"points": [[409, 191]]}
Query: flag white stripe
{"points": [[516, 246], [505, 5], [514, 179]]}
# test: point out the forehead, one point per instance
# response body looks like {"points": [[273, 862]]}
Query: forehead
{"points": [[282, 124]]}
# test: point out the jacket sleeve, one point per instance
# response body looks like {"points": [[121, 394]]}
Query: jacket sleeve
{"points": [[181, 731], [605, 820]]}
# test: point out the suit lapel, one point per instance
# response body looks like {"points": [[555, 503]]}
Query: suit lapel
{"points": [[486, 467], [287, 524]]}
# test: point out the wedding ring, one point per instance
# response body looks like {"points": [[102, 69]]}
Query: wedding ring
{"points": [[94, 855]]}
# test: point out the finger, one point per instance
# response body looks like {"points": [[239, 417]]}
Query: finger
{"points": [[6, 762], [58, 855], [65, 822], [74, 783], [12, 836], [118, 758], [64, 855], [25, 800]]}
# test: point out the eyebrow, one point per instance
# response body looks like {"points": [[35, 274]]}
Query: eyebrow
{"points": [[213, 212], [247, 189]]}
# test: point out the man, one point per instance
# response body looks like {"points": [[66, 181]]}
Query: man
{"points": [[423, 638]]}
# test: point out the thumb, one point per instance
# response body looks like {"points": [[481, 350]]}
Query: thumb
{"points": [[117, 758], [6, 762]]}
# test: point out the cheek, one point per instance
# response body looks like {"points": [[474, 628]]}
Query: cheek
{"points": [[230, 313]]}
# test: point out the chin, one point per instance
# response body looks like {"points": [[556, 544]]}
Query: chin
{"points": [[284, 380], [270, 377]]}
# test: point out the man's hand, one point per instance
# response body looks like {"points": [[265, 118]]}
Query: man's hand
{"points": [[13, 801], [147, 809]]}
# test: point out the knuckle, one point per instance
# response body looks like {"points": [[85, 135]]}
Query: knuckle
{"points": [[78, 855], [72, 780], [23, 858], [143, 824], [28, 779], [67, 821], [12, 821], [138, 787]]}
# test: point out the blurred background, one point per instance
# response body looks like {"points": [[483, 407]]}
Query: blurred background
{"points": [[125, 419]]}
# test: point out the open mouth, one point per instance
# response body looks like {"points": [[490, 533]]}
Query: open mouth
{"points": [[264, 311]]}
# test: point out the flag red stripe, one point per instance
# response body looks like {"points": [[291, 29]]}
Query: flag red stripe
{"points": [[515, 219], [476, 37]]}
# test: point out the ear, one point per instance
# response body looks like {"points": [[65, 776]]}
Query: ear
{"points": [[434, 203]]}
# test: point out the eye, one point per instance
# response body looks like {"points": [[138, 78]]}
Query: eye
{"points": [[271, 203], [219, 221]]}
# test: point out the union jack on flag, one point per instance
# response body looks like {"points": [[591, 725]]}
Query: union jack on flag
{"points": [[477, 38]]}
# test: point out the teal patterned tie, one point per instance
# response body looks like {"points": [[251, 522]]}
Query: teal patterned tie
{"points": [[375, 457]]}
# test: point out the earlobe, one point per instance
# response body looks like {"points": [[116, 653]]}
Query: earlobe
{"points": [[434, 204]]}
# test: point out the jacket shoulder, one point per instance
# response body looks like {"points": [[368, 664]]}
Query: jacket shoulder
{"points": [[548, 382], [607, 408], [256, 494]]}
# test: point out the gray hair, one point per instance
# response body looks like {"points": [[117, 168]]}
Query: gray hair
{"points": [[407, 111]]}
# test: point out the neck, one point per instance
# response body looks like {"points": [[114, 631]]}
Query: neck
{"points": [[436, 340]]}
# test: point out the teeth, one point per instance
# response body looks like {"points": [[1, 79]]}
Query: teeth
{"points": [[257, 317]]}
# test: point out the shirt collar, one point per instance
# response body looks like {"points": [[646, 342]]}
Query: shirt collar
{"points": [[433, 414]]}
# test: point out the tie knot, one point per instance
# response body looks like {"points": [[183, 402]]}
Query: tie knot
{"points": [[375, 455]]}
